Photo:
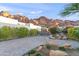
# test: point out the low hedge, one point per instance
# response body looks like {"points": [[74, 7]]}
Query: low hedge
{"points": [[7, 33], [73, 33], [22, 32], [33, 32]]}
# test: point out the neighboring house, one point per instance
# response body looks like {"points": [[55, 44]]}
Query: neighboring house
{"points": [[8, 20], [32, 26], [21, 24], [13, 22]]}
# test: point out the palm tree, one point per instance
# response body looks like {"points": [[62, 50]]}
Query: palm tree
{"points": [[70, 9]]}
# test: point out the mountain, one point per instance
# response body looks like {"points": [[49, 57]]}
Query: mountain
{"points": [[20, 18], [42, 21]]}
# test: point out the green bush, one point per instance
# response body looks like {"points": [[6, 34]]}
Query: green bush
{"points": [[53, 30], [38, 54], [64, 31], [33, 32], [22, 32], [73, 33], [14, 31], [32, 51], [48, 46], [62, 48], [6, 33]]}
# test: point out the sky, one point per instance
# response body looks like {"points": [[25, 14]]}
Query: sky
{"points": [[35, 10]]}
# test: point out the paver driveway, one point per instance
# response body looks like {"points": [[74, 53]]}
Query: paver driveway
{"points": [[18, 47]]}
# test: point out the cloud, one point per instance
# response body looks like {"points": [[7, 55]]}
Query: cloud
{"points": [[12, 9], [36, 12], [4, 8]]}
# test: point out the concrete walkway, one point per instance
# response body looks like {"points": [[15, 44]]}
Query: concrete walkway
{"points": [[18, 47], [74, 44]]}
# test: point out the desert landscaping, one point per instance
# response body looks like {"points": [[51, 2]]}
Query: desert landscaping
{"points": [[27, 35]]}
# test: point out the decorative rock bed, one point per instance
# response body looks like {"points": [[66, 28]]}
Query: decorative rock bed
{"points": [[52, 49], [57, 53]]}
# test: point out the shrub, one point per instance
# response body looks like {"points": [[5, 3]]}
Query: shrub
{"points": [[64, 30], [70, 33], [33, 32], [22, 32], [32, 51], [62, 48], [38, 54], [14, 31], [73, 33], [53, 30], [76, 33], [48, 46], [6, 33]]}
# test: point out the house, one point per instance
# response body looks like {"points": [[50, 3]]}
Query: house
{"points": [[8, 20], [13, 22], [32, 26]]}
